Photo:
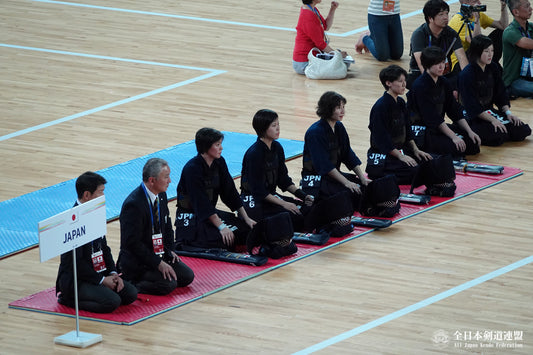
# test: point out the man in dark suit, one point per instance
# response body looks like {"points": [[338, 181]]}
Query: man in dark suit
{"points": [[147, 256], [100, 287]]}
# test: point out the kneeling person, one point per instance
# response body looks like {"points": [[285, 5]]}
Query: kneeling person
{"points": [[100, 287], [264, 170], [147, 256], [205, 178], [481, 88], [326, 147], [393, 150], [430, 98]]}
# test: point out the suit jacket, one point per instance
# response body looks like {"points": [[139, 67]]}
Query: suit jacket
{"points": [[84, 266], [136, 249]]}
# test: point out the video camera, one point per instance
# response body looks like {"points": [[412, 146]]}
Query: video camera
{"points": [[468, 10]]}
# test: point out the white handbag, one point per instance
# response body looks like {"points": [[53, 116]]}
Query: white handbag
{"points": [[320, 67]]}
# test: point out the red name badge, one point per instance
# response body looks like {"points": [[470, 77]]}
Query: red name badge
{"points": [[388, 5], [157, 241], [98, 261]]}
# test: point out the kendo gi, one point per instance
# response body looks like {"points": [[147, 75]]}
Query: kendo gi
{"points": [[479, 91], [198, 191], [390, 128], [428, 101], [324, 150], [263, 170]]}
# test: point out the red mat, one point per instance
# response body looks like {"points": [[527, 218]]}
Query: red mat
{"points": [[213, 276]]}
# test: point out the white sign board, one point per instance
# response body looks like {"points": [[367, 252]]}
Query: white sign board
{"points": [[72, 228]]}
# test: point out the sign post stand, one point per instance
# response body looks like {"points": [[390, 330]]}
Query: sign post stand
{"points": [[67, 231]]}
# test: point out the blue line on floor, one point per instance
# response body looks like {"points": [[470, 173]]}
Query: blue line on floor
{"points": [[345, 34], [168, 15], [117, 59], [416, 306], [211, 73]]}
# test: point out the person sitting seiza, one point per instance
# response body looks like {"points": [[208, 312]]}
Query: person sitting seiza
{"points": [[147, 257], [430, 98], [205, 178], [393, 150], [100, 288], [264, 170], [480, 88]]}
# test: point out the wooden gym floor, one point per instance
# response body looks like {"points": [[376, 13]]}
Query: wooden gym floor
{"points": [[89, 84]]}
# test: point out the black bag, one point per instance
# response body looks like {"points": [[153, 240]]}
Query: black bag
{"points": [[438, 174], [380, 198], [332, 214], [274, 236]]}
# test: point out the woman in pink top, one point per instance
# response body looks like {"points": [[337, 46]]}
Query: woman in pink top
{"points": [[310, 32]]}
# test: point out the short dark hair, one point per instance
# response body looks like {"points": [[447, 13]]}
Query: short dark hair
{"points": [[205, 137], [307, 2], [431, 56], [88, 181], [433, 7], [513, 4], [478, 44], [327, 103], [391, 73], [262, 120], [153, 167]]}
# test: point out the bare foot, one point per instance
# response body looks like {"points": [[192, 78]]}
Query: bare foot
{"points": [[359, 45]]}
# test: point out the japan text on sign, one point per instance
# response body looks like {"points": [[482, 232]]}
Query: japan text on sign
{"points": [[72, 228]]}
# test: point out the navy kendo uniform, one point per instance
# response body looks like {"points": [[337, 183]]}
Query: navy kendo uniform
{"points": [[198, 191]]}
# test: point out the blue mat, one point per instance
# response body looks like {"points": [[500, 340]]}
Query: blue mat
{"points": [[19, 217]]}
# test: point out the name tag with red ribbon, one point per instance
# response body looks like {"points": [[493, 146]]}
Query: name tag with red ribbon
{"points": [[157, 242], [98, 261]]}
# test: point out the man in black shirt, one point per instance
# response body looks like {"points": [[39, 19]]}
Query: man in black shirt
{"points": [[435, 33]]}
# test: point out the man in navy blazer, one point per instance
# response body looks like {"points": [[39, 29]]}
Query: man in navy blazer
{"points": [[147, 256]]}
